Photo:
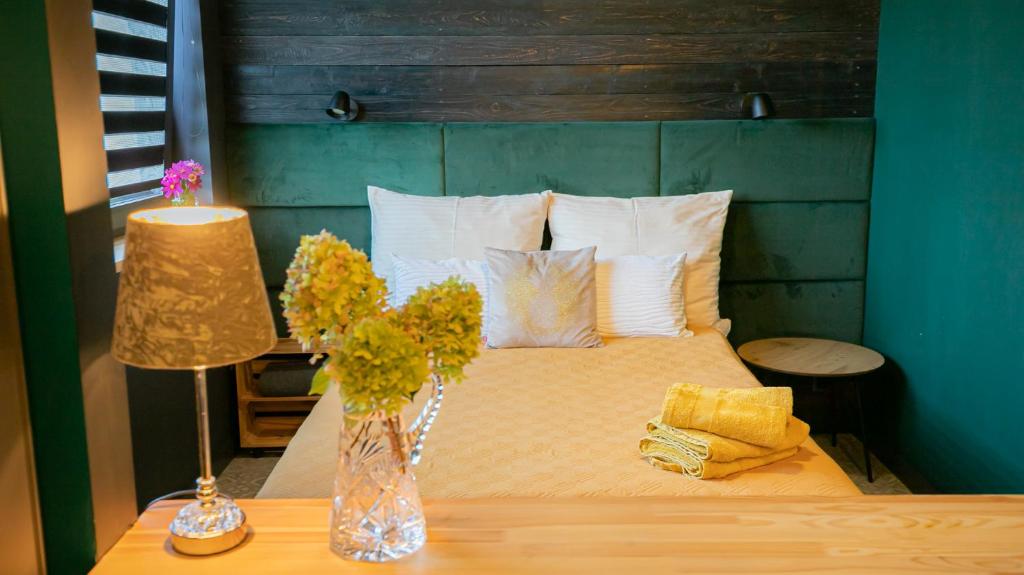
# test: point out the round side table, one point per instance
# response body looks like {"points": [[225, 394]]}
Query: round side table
{"points": [[818, 359]]}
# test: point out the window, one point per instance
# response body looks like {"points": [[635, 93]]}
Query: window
{"points": [[131, 57]]}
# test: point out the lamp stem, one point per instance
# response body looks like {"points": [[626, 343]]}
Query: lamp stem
{"points": [[206, 486], [213, 523]]}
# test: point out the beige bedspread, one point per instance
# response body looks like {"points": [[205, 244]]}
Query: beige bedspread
{"points": [[562, 422]]}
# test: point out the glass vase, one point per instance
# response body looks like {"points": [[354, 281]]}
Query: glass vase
{"points": [[376, 512], [185, 199]]}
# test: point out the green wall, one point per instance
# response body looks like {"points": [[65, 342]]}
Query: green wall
{"points": [[795, 242], [946, 247], [43, 278]]}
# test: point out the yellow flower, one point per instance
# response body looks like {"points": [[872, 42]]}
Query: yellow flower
{"points": [[445, 319], [378, 367], [329, 286], [379, 357]]}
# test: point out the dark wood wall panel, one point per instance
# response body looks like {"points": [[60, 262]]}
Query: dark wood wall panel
{"points": [[548, 50], [547, 60], [438, 81], [525, 17], [554, 108]]}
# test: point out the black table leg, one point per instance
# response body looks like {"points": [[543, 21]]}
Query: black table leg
{"points": [[863, 433], [834, 416]]}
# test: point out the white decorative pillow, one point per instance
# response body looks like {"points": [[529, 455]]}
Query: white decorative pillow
{"points": [[542, 298], [653, 226], [411, 274], [439, 228], [641, 296]]}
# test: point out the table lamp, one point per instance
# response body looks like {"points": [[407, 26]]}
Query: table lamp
{"points": [[191, 296]]}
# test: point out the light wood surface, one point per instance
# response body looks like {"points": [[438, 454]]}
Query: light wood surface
{"points": [[811, 357], [626, 535]]}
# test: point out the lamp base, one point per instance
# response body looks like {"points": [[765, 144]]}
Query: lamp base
{"points": [[205, 528]]}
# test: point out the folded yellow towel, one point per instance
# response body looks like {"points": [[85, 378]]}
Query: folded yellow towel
{"points": [[704, 455], [669, 460], [754, 415], [711, 447]]}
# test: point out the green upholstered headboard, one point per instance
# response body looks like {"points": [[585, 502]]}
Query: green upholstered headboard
{"points": [[795, 243]]}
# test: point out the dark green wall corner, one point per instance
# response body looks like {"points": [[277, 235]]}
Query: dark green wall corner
{"points": [[43, 275], [946, 247]]}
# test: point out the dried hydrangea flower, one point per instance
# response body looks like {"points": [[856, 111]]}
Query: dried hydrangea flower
{"points": [[378, 367], [445, 318], [329, 286], [380, 357]]}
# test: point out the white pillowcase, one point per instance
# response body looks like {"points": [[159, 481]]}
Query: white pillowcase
{"points": [[411, 274], [653, 226], [641, 296], [439, 228]]}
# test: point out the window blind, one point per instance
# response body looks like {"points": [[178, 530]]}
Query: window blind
{"points": [[131, 57]]}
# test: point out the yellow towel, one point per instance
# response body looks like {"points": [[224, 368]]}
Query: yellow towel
{"points": [[704, 455], [754, 415], [670, 460], [710, 447]]}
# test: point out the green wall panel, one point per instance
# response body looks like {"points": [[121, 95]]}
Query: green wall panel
{"points": [[800, 309], [276, 308], [277, 232], [788, 229], [587, 159], [795, 241], [775, 160], [945, 271], [331, 165]]}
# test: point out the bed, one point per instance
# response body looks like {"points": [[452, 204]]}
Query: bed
{"points": [[567, 422], [546, 422]]}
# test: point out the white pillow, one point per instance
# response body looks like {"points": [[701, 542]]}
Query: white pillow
{"points": [[411, 274], [653, 226], [641, 296], [439, 228]]}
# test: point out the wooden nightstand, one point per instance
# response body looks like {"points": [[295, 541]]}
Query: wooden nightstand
{"points": [[863, 534], [270, 421], [820, 360]]}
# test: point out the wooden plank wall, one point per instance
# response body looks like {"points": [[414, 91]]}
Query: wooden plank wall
{"points": [[547, 60]]}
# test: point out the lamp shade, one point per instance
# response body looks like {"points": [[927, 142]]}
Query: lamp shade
{"points": [[191, 292]]}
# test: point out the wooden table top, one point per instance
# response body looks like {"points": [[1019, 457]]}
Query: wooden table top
{"points": [[920, 533], [811, 357]]}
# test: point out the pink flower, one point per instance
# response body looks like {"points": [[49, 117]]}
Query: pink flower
{"points": [[182, 177]]}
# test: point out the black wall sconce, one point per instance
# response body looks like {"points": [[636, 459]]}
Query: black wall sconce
{"points": [[342, 107], [759, 105]]}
